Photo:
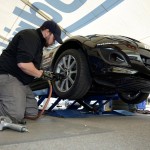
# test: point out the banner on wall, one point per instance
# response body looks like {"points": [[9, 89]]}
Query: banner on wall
{"points": [[76, 17]]}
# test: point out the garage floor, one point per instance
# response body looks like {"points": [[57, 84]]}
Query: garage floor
{"points": [[96, 132]]}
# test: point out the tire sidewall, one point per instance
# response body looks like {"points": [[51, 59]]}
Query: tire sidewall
{"points": [[138, 99]]}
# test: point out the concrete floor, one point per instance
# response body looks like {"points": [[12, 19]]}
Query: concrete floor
{"points": [[97, 132]]}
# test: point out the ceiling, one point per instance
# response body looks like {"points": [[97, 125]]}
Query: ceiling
{"points": [[77, 17]]}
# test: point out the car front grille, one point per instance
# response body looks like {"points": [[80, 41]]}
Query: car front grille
{"points": [[146, 61]]}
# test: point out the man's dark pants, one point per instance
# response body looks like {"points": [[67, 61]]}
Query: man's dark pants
{"points": [[16, 100]]}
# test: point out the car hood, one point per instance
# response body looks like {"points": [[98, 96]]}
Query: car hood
{"points": [[116, 40]]}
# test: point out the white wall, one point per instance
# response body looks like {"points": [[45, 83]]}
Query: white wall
{"points": [[122, 17]]}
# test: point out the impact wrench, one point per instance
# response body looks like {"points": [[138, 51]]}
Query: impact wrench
{"points": [[6, 123]]}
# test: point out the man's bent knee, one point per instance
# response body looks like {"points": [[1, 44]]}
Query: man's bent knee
{"points": [[16, 118]]}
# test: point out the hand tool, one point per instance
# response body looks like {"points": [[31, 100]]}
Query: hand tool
{"points": [[6, 123]]}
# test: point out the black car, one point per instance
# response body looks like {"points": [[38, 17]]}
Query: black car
{"points": [[100, 65]]}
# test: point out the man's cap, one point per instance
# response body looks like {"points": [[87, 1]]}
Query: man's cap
{"points": [[54, 28]]}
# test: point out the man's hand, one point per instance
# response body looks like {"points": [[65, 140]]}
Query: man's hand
{"points": [[48, 75]]}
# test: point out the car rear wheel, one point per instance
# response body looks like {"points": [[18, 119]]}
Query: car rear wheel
{"points": [[73, 64], [133, 97]]}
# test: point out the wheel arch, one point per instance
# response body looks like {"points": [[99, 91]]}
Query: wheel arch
{"points": [[68, 45]]}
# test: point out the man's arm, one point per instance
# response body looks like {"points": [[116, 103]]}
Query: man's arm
{"points": [[30, 69]]}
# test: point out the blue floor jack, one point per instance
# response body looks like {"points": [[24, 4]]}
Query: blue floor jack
{"points": [[85, 107]]}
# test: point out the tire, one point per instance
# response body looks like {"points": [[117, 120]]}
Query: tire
{"points": [[133, 98], [73, 64]]}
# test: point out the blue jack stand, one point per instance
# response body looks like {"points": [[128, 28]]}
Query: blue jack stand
{"points": [[122, 112], [88, 108], [102, 101]]}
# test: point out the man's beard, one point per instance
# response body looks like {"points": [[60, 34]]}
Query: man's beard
{"points": [[46, 44]]}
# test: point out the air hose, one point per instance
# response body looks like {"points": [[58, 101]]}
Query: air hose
{"points": [[45, 105]]}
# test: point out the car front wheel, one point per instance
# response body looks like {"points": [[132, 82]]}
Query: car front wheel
{"points": [[73, 64]]}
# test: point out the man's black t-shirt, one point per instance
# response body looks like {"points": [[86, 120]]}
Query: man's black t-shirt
{"points": [[26, 46]]}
